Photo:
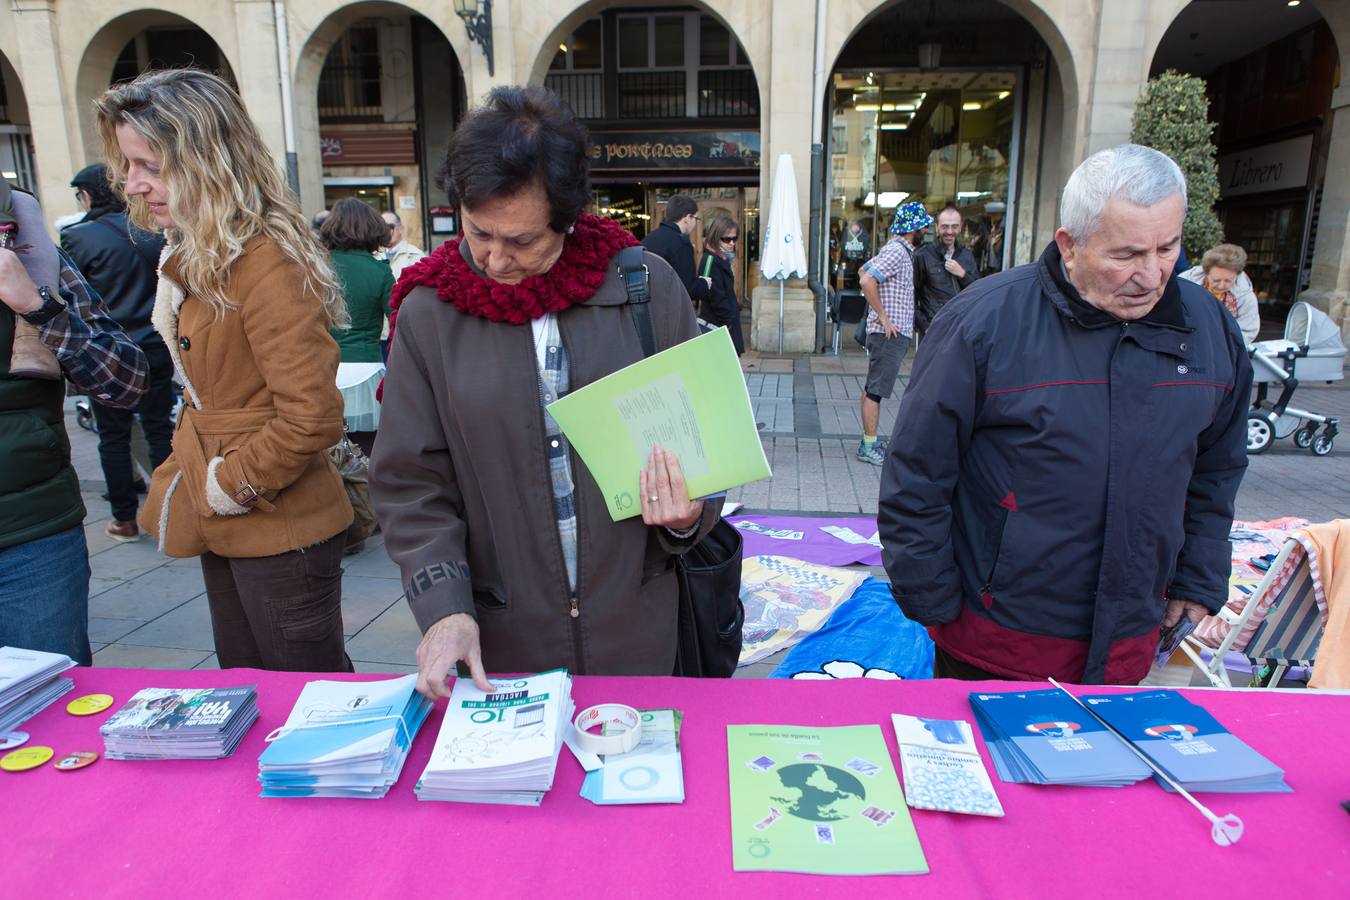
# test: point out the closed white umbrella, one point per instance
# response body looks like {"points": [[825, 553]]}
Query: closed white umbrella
{"points": [[784, 256]]}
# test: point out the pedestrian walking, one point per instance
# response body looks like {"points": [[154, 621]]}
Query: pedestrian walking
{"points": [[719, 251], [887, 281], [245, 302], [670, 241], [120, 261]]}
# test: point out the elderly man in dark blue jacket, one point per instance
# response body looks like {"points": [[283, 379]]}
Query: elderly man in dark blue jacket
{"points": [[1061, 479]]}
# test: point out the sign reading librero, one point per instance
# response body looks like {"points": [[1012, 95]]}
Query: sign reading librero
{"points": [[674, 150]]}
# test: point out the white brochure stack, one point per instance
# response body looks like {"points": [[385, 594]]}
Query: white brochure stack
{"points": [[30, 682], [500, 747]]}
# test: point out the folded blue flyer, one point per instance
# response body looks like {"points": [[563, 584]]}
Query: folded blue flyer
{"points": [[1043, 737], [1187, 742]]}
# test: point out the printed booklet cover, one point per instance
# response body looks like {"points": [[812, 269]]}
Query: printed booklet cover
{"points": [[818, 800], [942, 768]]}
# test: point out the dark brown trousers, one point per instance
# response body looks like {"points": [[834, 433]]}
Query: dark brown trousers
{"points": [[281, 612]]}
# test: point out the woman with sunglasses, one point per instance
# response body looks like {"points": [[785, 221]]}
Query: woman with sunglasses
{"points": [[719, 250]]}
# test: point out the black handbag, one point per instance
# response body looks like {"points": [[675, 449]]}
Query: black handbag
{"points": [[708, 628]]}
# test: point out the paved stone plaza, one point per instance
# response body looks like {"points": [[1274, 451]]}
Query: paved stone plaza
{"points": [[147, 611]]}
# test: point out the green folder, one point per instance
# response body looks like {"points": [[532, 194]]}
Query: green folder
{"points": [[823, 801], [691, 399]]}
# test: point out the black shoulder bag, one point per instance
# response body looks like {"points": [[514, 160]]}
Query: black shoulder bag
{"points": [[708, 635]]}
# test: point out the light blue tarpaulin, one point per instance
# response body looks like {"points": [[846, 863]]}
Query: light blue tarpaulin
{"points": [[867, 636]]}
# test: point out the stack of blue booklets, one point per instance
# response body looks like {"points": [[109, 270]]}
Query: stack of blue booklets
{"points": [[344, 739], [1187, 743], [1043, 737]]}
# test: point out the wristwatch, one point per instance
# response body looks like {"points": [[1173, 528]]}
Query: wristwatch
{"points": [[52, 306]]}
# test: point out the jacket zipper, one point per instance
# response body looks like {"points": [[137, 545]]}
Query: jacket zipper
{"points": [[987, 592], [574, 609]]}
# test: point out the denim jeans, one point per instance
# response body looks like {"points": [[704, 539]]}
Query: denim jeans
{"points": [[114, 433], [44, 595]]}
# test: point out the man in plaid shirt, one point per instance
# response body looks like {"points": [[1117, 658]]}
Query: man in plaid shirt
{"points": [[44, 561], [887, 281]]}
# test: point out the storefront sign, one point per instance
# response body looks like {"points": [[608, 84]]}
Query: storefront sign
{"points": [[1280, 166], [675, 150], [367, 148]]}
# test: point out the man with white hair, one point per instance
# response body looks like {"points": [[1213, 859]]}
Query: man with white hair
{"points": [[1061, 481]]}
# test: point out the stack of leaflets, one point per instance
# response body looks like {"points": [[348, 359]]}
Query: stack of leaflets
{"points": [[500, 747], [1187, 743], [818, 800], [942, 768], [1043, 737], [167, 723], [651, 772], [30, 682], [344, 739]]}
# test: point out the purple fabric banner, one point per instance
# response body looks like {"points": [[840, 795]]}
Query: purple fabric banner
{"points": [[801, 537]]}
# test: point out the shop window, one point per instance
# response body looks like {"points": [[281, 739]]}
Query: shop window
{"points": [[577, 71], [936, 137], [349, 85]]}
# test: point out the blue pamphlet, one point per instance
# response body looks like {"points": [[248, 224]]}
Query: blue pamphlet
{"points": [[1187, 742]]}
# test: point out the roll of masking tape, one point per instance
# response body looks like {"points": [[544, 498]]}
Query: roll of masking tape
{"points": [[620, 728]]}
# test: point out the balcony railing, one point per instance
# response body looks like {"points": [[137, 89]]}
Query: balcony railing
{"points": [[722, 93], [728, 92], [651, 95], [583, 91]]}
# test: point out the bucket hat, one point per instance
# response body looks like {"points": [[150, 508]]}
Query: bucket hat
{"points": [[910, 217]]}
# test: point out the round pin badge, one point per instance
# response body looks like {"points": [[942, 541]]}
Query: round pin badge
{"points": [[13, 739], [89, 704], [77, 760], [25, 758]]}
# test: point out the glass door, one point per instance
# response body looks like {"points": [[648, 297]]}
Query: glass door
{"points": [[943, 137]]}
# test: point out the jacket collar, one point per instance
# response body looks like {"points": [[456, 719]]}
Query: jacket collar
{"points": [[1169, 312]]}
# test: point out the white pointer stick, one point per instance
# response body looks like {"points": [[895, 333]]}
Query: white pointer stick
{"points": [[1227, 829]]}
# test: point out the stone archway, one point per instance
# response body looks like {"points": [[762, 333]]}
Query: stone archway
{"points": [[310, 52], [106, 45]]}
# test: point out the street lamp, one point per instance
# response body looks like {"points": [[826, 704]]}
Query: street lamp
{"points": [[477, 16]]}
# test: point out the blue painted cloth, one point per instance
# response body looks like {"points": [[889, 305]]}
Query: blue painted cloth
{"points": [[867, 636]]}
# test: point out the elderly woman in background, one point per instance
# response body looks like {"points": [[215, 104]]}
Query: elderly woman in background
{"points": [[719, 249], [1220, 273], [508, 553]]}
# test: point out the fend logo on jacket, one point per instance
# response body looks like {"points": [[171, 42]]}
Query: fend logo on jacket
{"points": [[1054, 729]]}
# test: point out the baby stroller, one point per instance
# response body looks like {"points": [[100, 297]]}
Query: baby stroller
{"points": [[1311, 350]]}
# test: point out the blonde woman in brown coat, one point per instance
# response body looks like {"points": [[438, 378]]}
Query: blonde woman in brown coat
{"points": [[245, 302]]}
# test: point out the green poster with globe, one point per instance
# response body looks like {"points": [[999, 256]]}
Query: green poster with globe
{"points": [[818, 800]]}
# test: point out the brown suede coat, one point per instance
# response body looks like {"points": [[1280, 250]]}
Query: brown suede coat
{"points": [[460, 480], [261, 401]]}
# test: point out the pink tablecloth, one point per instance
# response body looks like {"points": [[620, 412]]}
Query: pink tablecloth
{"points": [[180, 828]]}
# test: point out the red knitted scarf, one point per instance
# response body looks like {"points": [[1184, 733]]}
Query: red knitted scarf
{"points": [[574, 278]]}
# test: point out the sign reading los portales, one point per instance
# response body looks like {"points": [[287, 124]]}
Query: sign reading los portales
{"points": [[1280, 166]]}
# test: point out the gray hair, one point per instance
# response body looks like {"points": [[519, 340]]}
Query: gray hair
{"points": [[398, 220], [1140, 175]]}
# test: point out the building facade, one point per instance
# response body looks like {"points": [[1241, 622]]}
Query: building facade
{"points": [[984, 104]]}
